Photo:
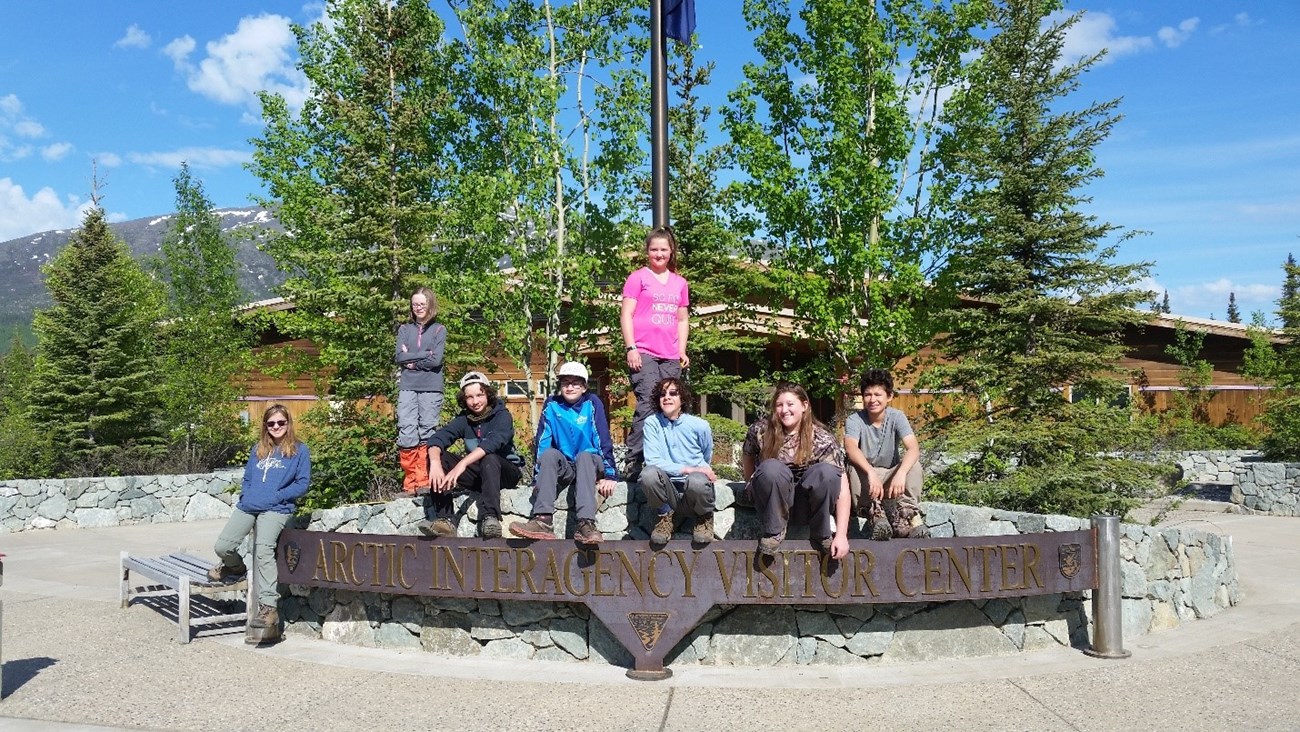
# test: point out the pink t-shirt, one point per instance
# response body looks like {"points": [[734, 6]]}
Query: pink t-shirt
{"points": [[654, 321]]}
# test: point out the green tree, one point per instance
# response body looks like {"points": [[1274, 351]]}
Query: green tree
{"points": [[358, 178], [204, 350], [555, 116], [1052, 302], [1234, 315], [25, 450], [95, 382], [834, 131], [1282, 415]]}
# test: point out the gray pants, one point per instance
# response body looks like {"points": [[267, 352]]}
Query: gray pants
{"points": [[418, 415], [643, 383], [269, 525], [780, 500], [693, 498], [911, 490], [555, 470]]}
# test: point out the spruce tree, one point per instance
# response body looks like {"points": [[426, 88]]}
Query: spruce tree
{"points": [[1234, 315], [1282, 415], [1052, 301], [1164, 304], [1290, 289], [95, 382], [203, 349]]}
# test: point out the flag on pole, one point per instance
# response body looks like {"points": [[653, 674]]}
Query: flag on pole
{"points": [[679, 19]]}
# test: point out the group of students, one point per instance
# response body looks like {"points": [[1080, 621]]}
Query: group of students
{"points": [[794, 468]]}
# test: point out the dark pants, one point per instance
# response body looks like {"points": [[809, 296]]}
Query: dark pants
{"points": [[692, 498], [555, 470], [653, 370], [780, 500], [487, 476]]}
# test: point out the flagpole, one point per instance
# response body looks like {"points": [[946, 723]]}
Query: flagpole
{"points": [[658, 116]]}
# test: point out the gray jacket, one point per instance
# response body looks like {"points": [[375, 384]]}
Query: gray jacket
{"points": [[421, 346]]}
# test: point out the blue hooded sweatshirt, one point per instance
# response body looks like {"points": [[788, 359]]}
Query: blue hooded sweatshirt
{"points": [[275, 482], [575, 428]]}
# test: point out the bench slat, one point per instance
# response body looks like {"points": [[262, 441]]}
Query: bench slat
{"points": [[186, 575]]}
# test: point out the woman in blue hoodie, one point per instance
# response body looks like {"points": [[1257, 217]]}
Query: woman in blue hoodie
{"points": [[277, 475]]}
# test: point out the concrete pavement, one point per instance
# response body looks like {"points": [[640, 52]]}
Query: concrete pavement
{"points": [[74, 660]]}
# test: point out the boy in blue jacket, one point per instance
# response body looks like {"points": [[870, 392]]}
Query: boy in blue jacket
{"points": [[573, 447]]}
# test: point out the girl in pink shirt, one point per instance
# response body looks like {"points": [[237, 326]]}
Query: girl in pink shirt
{"points": [[655, 326]]}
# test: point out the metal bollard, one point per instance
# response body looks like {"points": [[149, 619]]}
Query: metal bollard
{"points": [[2, 631], [1107, 599]]}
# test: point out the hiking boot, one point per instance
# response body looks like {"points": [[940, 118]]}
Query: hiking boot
{"points": [[267, 617], [769, 544], [221, 573], [744, 499], [490, 527], [632, 468], [703, 531], [663, 530], [587, 533], [919, 530], [537, 527], [437, 527], [880, 529], [822, 543]]}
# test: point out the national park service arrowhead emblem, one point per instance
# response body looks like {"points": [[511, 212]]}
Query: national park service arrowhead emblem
{"points": [[1070, 556], [292, 553], [648, 627]]}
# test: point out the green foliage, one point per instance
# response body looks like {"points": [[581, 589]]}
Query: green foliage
{"points": [[358, 179], [1053, 304], [353, 455], [1282, 416], [95, 381], [834, 132], [203, 349], [727, 434], [25, 450]]}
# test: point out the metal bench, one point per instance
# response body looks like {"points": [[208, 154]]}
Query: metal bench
{"points": [[187, 576]]}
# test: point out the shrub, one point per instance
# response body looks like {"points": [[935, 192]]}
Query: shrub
{"points": [[353, 455]]}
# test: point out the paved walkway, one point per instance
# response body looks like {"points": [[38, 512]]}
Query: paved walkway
{"points": [[74, 661]]}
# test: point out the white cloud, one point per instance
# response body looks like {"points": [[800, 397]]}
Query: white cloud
{"points": [[107, 159], [14, 122], [1174, 37], [43, 211], [179, 50], [197, 157], [1203, 299], [1096, 32], [1240, 20], [57, 151], [258, 56], [134, 38]]}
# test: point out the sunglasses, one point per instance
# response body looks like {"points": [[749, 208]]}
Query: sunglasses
{"points": [[674, 392], [276, 422]]}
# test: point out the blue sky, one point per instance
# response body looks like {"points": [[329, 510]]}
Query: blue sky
{"points": [[1207, 158]]}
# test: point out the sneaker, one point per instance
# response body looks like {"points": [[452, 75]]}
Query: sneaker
{"points": [[536, 527], [587, 533], [663, 530], [703, 531], [437, 527], [222, 573], [769, 544], [267, 617], [490, 527]]}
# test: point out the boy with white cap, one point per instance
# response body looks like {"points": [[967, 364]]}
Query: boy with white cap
{"points": [[573, 448]]}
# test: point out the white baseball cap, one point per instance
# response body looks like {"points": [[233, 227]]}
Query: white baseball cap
{"points": [[572, 368], [474, 377]]}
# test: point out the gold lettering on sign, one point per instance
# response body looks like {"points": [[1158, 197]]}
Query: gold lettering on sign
{"points": [[961, 567], [811, 569], [824, 570], [723, 574], [1010, 553], [322, 569], [631, 572], [602, 570], [401, 566], [524, 563], [500, 569], [552, 575], [765, 569], [568, 576], [687, 570], [898, 570], [652, 577], [866, 567], [934, 566], [339, 555], [1030, 553]]}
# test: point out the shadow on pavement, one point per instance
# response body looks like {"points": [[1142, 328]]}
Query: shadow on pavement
{"points": [[20, 671]]}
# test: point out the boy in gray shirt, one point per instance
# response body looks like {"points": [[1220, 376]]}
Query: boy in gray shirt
{"points": [[886, 459]]}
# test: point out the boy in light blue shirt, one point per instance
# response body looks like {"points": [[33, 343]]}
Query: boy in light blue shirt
{"points": [[677, 479]]}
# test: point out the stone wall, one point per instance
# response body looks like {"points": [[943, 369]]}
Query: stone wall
{"points": [[1272, 488], [1169, 576], [1209, 466], [115, 501]]}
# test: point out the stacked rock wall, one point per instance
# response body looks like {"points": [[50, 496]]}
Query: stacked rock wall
{"points": [[116, 501], [1169, 576], [1272, 488]]}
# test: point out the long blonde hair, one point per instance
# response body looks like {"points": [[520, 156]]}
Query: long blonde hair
{"points": [[774, 435], [288, 443]]}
